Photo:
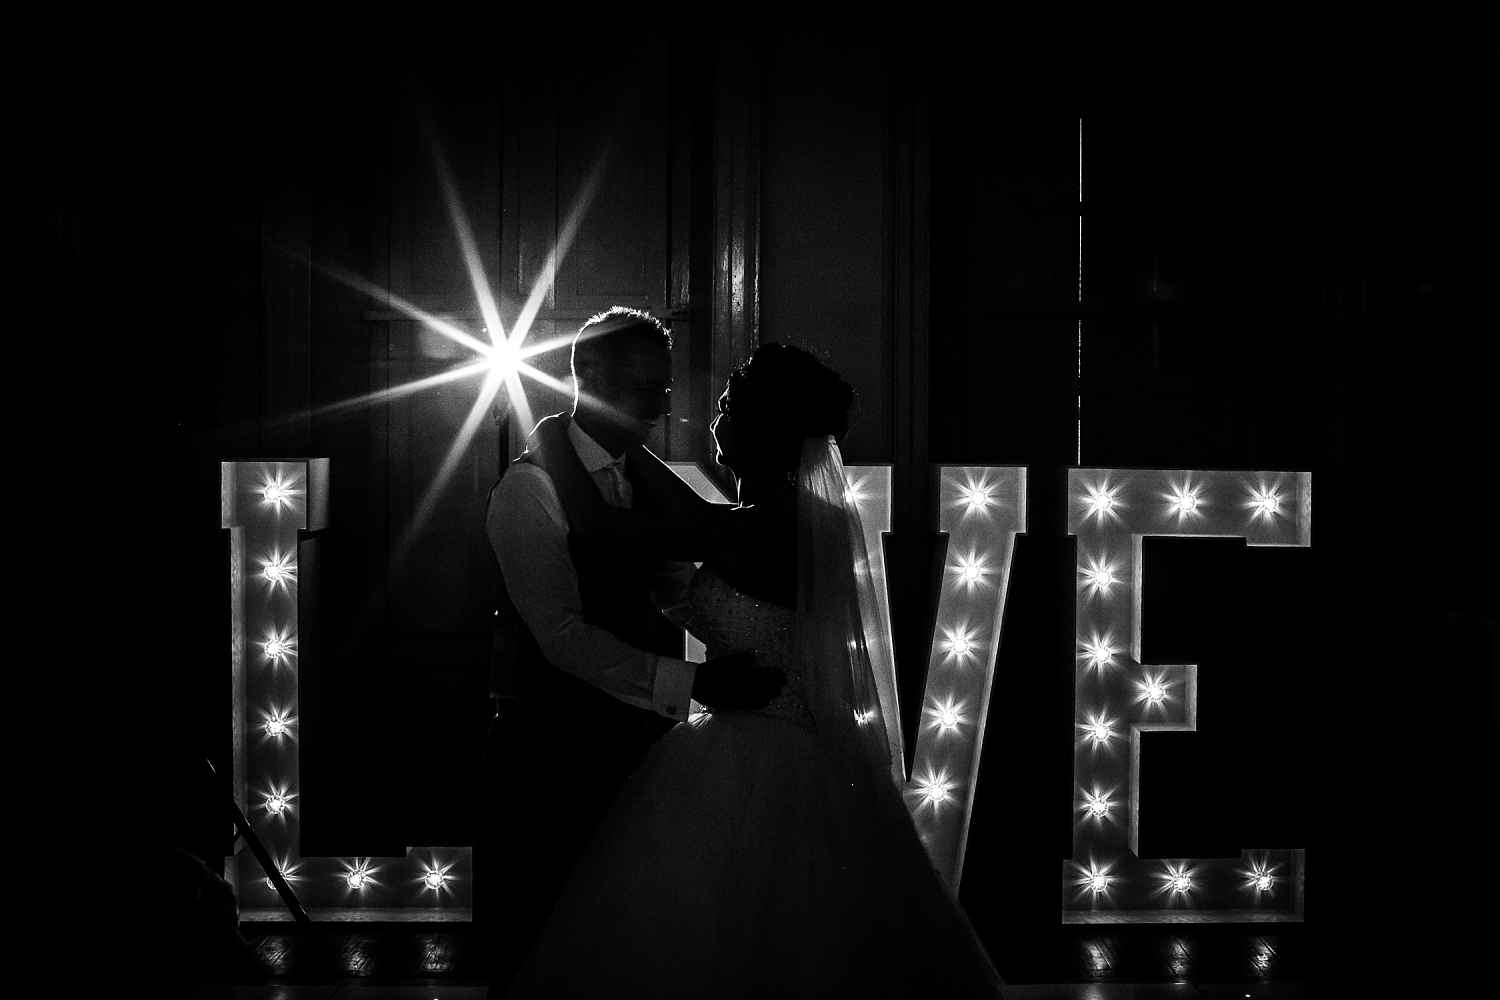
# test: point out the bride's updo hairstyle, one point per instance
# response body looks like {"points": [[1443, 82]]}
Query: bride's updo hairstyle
{"points": [[781, 396]]}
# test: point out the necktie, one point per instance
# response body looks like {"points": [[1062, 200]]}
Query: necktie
{"points": [[617, 489]]}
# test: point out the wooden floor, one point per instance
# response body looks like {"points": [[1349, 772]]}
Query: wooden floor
{"points": [[405, 962]]}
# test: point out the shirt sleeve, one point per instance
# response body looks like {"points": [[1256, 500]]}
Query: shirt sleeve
{"points": [[529, 533]]}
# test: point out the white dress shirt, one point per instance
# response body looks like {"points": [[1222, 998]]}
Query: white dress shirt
{"points": [[529, 533]]}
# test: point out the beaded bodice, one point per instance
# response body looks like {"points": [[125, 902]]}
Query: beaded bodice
{"points": [[728, 621]]}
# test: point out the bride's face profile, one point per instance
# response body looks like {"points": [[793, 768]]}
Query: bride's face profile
{"points": [[723, 440]]}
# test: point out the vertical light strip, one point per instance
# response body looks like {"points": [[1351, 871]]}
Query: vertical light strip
{"points": [[1117, 697], [266, 506]]}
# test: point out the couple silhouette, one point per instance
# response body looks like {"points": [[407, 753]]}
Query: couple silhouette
{"points": [[762, 848]]}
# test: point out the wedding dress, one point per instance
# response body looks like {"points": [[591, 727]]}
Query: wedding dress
{"points": [[761, 854]]}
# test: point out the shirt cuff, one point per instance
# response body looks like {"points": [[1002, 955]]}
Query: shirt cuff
{"points": [[672, 690]]}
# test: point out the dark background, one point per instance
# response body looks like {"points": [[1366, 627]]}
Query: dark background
{"points": [[1287, 264]]}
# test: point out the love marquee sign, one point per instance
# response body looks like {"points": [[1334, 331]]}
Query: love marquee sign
{"points": [[1116, 697]]}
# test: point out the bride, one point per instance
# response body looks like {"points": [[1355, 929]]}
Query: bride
{"points": [[767, 853]]}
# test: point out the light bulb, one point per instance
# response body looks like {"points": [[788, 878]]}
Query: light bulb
{"points": [[970, 569], [1264, 503], [1184, 500], [1100, 651], [1101, 501], [1098, 732]]}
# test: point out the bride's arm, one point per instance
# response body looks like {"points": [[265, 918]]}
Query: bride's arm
{"points": [[701, 532]]}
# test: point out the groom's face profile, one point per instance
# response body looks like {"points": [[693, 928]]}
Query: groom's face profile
{"points": [[632, 390]]}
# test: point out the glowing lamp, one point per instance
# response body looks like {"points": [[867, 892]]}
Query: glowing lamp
{"points": [[1264, 502], [970, 570], [935, 793], [934, 790], [434, 879], [1098, 575], [1100, 651], [276, 490], [276, 726], [1100, 501], [1179, 882], [275, 803], [356, 878], [1263, 882], [1098, 732], [278, 569], [947, 715], [1098, 882], [960, 645], [1184, 503], [1153, 691], [1096, 805]]}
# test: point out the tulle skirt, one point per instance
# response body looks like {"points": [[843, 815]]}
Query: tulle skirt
{"points": [[740, 862]]}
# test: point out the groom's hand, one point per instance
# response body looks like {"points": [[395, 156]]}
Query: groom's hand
{"points": [[733, 681]]}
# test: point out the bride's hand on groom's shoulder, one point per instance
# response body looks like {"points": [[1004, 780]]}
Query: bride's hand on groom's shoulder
{"points": [[735, 682]]}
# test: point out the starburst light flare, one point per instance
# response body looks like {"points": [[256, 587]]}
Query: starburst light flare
{"points": [[1185, 500], [1097, 575], [1101, 501], [1097, 804], [279, 570], [946, 715], [1264, 502], [935, 789]]}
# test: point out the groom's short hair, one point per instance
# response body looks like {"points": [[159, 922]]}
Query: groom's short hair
{"points": [[605, 337]]}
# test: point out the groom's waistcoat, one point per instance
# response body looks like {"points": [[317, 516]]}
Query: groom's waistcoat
{"points": [[615, 587]]}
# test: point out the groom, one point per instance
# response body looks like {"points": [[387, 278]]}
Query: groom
{"points": [[586, 671]]}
